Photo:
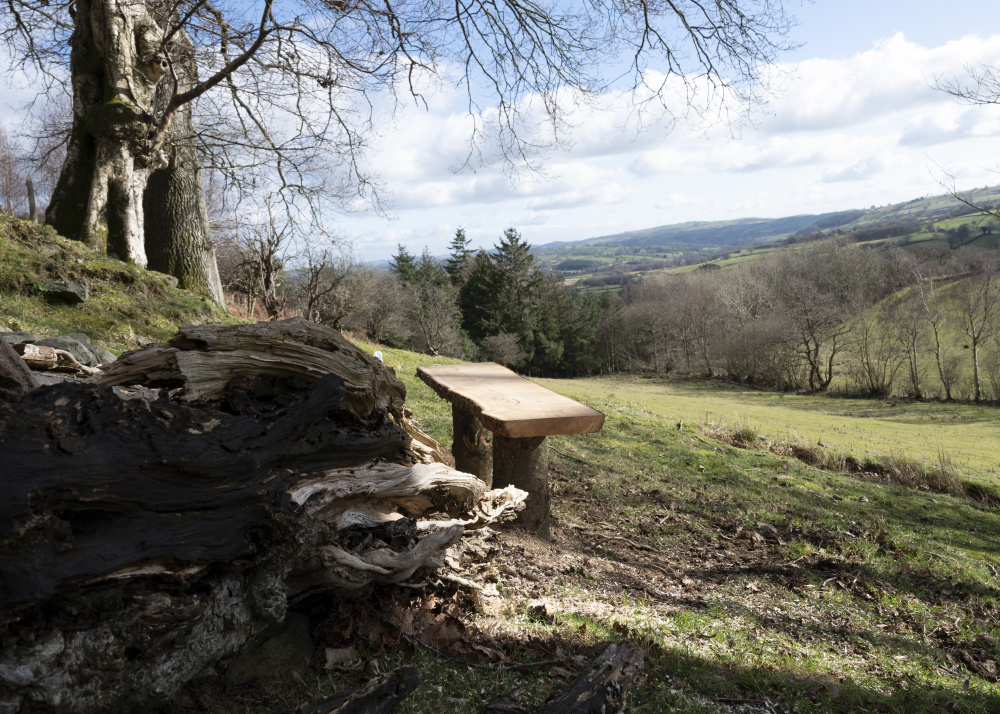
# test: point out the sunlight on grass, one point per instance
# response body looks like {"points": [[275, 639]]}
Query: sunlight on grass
{"points": [[922, 430]]}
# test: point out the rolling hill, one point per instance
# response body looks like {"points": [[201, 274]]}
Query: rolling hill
{"points": [[671, 246]]}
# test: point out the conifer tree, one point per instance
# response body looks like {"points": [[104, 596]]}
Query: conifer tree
{"points": [[428, 271], [404, 264], [478, 298], [460, 255]]}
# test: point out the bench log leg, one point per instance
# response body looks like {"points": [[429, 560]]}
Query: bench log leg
{"points": [[470, 445], [524, 463]]}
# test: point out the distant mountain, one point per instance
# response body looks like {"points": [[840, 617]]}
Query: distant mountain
{"points": [[740, 232], [744, 232]]}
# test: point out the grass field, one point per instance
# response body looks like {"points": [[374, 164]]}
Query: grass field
{"points": [[755, 582], [969, 434]]}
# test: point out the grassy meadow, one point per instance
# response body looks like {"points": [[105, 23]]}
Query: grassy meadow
{"points": [[755, 582], [967, 433]]}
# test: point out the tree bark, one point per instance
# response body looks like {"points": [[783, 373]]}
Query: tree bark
{"points": [[178, 236], [603, 687], [32, 211], [524, 464], [114, 67], [470, 445], [71, 194]]}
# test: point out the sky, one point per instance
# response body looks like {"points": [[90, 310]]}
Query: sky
{"points": [[853, 123]]}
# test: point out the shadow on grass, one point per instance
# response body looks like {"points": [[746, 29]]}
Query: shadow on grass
{"points": [[727, 682]]}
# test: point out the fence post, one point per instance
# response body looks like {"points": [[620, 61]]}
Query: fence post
{"points": [[32, 214]]}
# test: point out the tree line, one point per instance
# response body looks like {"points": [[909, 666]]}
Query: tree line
{"points": [[479, 305], [837, 317]]}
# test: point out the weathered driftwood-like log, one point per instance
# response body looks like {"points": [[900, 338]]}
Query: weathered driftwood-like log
{"points": [[43, 357], [203, 359], [16, 379], [37, 356], [141, 540], [603, 687]]}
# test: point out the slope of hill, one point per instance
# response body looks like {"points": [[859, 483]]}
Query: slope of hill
{"points": [[689, 243], [127, 306], [753, 581], [741, 231]]}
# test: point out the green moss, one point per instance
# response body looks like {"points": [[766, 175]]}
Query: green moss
{"points": [[128, 306]]}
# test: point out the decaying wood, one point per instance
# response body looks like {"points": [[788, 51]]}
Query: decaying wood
{"points": [[42, 357], [603, 687], [37, 356], [380, 696], [204, 359], [143, 539], [16, 378]]}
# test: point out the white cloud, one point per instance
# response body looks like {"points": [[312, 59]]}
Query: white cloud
{"points": [[861, 171]]}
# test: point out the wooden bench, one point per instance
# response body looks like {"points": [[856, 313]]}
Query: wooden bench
{"points": [[521, 415]]}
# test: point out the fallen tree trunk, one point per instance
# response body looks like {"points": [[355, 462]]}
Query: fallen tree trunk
{"points": [[143, 539]]}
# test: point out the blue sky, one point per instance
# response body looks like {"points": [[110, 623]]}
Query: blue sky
{"points": [[853, 124]]}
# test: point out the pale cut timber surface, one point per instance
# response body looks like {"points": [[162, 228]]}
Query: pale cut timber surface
{"points": [[508, 404]]}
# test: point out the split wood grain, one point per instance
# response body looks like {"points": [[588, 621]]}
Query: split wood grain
{"points": [[510, 405]]}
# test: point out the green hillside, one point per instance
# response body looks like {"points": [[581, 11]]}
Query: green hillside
{"points": [[923, 223], [754, 581], [127, 306]]}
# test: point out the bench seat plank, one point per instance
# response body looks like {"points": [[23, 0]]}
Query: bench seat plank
{"points": [[508, 404]]}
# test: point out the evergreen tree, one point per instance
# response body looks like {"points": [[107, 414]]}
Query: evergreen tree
{"points": [[513, 257], [478, 298], [556, 328], [404, 264], [428, 271], [460, 255]]}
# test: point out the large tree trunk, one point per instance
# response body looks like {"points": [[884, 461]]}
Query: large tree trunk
{"points": [[115, 68], [146, 533], [178, 234], [72, 190]]}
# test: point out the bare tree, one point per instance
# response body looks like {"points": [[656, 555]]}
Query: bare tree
{"points": [[13, 194], [433, 314], [502, 348], [699, 317], [324, 268], [877, 357], [905, 316], [300, 80], [374, 303], [262, 248], [935, 314], [978, 299]]}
